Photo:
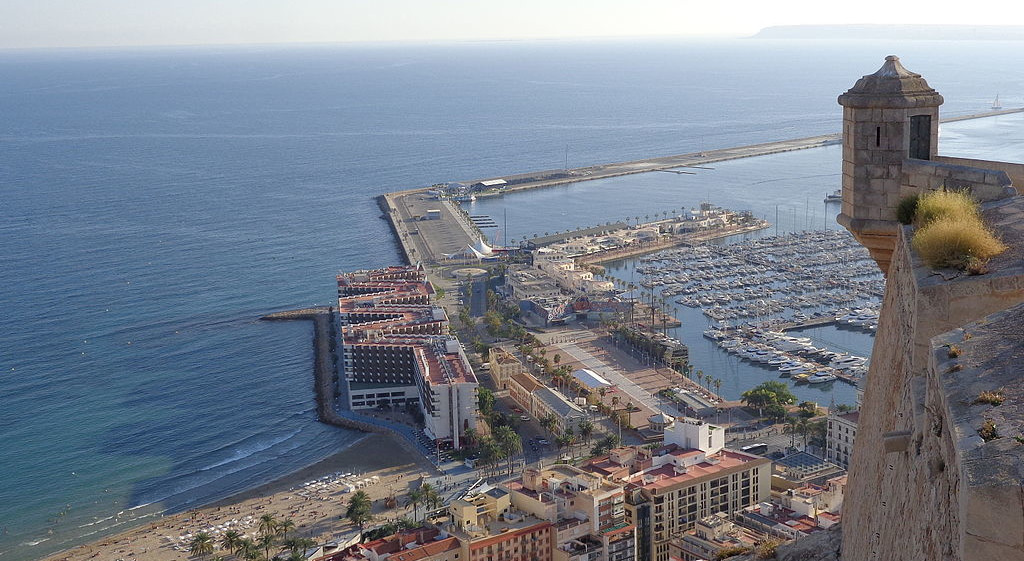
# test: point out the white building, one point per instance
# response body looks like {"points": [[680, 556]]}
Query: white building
{"points": [[841, 431]]}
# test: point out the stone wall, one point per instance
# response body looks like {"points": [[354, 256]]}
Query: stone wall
{"points": [[908, 496], [1014, 171], [924, 175]]}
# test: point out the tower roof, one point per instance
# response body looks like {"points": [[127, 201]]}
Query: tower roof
{"points": [[892, 86]]}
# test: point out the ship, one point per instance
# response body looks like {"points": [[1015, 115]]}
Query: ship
{"points": [[834, 197]]}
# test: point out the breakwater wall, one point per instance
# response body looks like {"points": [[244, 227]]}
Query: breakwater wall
{"points": [[325, 377], [390, 210]]}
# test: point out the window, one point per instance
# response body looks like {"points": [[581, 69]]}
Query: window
{"points": [[920, 137]]}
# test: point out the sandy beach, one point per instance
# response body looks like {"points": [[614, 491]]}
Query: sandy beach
{"points": [[313, 498]]}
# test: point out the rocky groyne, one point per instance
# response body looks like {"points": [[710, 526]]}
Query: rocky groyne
{"points": [[325, 376]]}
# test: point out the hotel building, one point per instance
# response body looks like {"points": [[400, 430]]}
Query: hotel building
{"points": [[397, 351]]}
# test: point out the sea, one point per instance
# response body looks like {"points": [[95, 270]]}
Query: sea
{"points": [[155, 202]]}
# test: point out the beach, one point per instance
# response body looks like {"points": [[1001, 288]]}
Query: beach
{"points": [[314, 498]]}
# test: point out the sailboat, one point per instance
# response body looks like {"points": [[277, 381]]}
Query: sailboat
{"points": [[995, 104]]}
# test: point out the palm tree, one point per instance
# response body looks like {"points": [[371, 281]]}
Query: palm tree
{"points": [[267, 524], [298, 545], [718, 386], [430, 495], [700, 377], [586, 428], [285, 526], [248, 550], [231, 540], [549, 422], [201, 545], [360, 510], [570, 435], [414, 498], [266, 541], [510, 443]]}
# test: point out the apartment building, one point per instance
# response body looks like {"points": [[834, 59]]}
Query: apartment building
{"points": [[690, 478], [397, 351]]}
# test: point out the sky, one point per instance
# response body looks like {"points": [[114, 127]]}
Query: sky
{"points": [[93, 23]]}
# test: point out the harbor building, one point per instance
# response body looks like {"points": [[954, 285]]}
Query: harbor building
{"points": [[839, 437], [693, 476], [503, 366], [397, 351]]}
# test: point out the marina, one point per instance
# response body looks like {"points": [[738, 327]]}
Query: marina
{"points": [[757, 296]]}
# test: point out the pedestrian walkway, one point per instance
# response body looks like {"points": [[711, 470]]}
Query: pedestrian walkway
{"points": [[634, 391]]}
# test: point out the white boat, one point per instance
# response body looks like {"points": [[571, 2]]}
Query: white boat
{"points": [[820, 377], [837, 195], [995, 104]]}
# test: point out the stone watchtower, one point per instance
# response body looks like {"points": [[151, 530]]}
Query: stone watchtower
{"points": [[888, 117]]}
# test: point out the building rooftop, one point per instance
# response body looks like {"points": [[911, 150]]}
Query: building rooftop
{"points": [[657, 479], [558, 402]]}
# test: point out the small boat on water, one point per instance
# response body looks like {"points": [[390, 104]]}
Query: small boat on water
{"points": [[835, 196], [996, 105], [820, 377]]}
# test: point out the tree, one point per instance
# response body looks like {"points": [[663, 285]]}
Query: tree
{"points": [[266, 541], [285, 526], [808, 409], [485, 401], [298, 544], [201, 545], [605, 444], [775, 412], [549, 422], [414, 498], [768, 393], [586, 429], [231, 540], [510, 442], [267, 524], [430, 495], [360, 509]]}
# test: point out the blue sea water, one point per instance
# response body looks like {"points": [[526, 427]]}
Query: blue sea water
{"points": [[155, 202]]}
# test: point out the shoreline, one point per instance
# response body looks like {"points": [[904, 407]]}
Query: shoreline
{"points": [[316, 516]]}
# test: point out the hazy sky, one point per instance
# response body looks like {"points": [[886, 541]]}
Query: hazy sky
{"points": [[65, 23]]}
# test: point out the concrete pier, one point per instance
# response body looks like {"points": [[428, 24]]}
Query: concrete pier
{"points": [[429, 240]]}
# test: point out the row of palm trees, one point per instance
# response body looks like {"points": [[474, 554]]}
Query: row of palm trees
{"points": [[570, 436], [273, 534]]}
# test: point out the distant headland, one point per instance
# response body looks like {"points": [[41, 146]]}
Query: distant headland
{"points": [[889, 31]]}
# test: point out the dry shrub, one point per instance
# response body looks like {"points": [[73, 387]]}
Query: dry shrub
{"points": [[995, 397], [944, 204], [766, 549], [988, 431], [956, 242]]}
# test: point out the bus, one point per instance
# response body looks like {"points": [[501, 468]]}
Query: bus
{"points": [[760, 448]]}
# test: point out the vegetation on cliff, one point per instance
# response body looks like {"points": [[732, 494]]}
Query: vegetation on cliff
{"points": [[951, 233]]}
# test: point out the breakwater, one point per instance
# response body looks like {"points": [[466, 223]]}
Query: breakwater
{"points": [[326, 379]]}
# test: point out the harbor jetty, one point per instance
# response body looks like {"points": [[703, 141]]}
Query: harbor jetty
{"points": [[326, 383], [427, 229]]}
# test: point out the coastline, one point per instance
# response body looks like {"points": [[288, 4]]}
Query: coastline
{"points": [[316, 516]]}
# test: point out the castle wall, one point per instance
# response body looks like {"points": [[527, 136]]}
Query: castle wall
{"points": [[984, 184], [1014, 171], [908, 497]]}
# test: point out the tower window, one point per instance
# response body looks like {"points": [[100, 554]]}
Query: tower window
{"points": [[920, 137], [878, 136]]}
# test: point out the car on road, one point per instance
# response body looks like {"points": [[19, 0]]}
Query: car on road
{"points": [[542, 441], [524, 418]]}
